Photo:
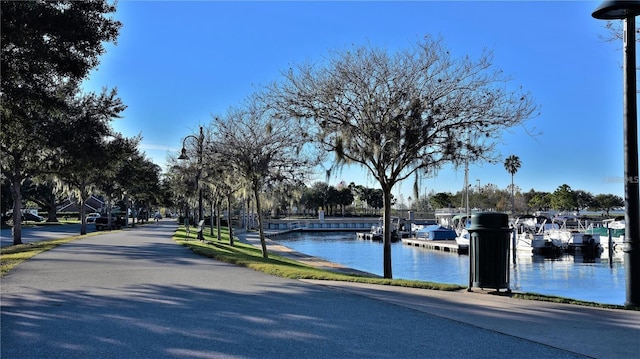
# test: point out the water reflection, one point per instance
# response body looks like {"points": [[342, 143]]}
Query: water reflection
{"points": [[599, 278]]}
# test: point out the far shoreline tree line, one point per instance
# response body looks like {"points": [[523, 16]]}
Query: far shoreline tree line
{"points": [[356, 200]]}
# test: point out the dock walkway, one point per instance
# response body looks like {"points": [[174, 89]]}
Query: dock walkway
{"points": [[445, 245]]}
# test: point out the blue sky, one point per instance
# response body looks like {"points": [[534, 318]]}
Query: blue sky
{"points": [[177, 64]]}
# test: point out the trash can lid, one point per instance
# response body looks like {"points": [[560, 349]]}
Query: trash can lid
{"points": [[489, 220]]}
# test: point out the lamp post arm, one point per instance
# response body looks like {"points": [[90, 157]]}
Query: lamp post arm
{"points": [[184, 156]]}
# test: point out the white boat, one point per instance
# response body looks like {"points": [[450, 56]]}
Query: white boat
{"points": [[377, 232], [616, 228], [576, 238], [462, 222], [530, 235], [463, 238]]}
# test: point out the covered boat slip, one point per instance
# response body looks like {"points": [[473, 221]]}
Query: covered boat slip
{"points": [[436, 237], [435, 232]]}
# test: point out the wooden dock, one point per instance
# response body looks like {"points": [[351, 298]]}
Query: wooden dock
{"points": [[446, 246]]}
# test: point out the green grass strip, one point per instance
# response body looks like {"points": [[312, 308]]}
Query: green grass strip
{"points": [[251, 257], [556, 299]]}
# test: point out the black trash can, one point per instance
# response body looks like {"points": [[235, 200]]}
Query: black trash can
{"points": [[489, 234]]}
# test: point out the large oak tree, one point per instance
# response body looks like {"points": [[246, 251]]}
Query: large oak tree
{"points": [[80, 139], [47, 48], [397, 113]]}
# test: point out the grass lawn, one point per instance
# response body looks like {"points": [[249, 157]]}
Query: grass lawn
{"points": [[251, 257], [239, 254]]}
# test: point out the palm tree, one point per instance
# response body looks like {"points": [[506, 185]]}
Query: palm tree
{"points": [[512, 164]]}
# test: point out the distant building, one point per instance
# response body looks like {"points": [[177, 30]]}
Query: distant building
{"points": [[93, 204]]}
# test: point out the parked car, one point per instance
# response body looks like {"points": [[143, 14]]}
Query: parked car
{"points": [[117, 222], [91, 217], [32, 217]]}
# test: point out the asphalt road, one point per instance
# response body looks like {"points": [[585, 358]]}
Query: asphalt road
{"points": [[135, 293], [43, 232]]}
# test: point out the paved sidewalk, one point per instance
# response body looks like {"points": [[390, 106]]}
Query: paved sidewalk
{"points": [[135, 293], [593, 332]]}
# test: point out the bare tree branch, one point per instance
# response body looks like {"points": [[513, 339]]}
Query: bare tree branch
{"points": [[394, 114], [264, 149]]}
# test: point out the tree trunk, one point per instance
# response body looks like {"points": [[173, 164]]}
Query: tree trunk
{"points": [[213, 212], [16, 195], [230, 221], [83, 219], [109, 209], [248, 218], [513, 198], [134, 213], [263, 243], [387, 232], [218, 205], [52, 215], [126, 211]]}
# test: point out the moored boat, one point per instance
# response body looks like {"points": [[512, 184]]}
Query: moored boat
{"points": [[530, 235], [614, 228], [435, 233], [376, 234], [464, 238], [575, 239], [377, 231]]}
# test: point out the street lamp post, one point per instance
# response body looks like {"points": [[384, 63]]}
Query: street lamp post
{"points": [[627, 11], [184, 156]]}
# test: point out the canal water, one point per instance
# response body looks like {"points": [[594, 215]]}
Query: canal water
{"points": [[599, 279]]}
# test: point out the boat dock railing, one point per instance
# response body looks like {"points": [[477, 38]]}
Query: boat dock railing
{"points": [[337, 224]]}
